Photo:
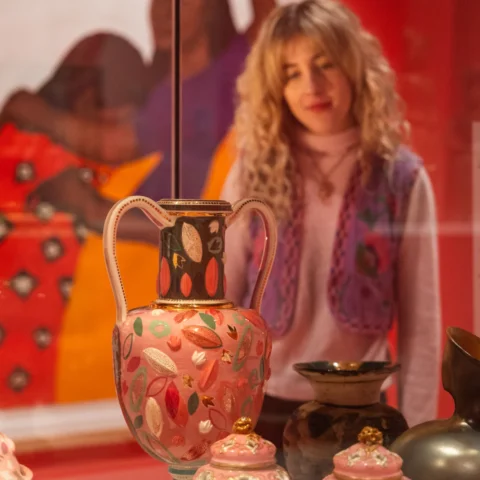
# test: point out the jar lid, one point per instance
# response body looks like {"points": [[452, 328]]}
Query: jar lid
{"points": [[10, 469], [243, 448], [368, 459]]}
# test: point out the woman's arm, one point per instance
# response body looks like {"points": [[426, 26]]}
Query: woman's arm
{"points": [[135, 226], [106, 143], [420, 320], [237, 244], [68, 192]]}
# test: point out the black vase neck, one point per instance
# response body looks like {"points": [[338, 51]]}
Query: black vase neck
{"points": [[192, 252]]}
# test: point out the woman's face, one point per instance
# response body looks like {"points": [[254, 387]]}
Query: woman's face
{"points": [[317, 92], [192, 22]]}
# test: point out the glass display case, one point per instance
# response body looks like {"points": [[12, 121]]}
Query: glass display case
{"points": [[86, 101]]}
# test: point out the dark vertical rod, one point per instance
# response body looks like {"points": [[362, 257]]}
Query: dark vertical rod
{"points": [[176, 100]]}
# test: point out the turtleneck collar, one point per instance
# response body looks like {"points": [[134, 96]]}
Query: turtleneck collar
{"points": [[327, 144]]}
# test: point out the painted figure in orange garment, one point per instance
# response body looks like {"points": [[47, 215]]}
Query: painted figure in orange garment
{"points": [[103, 77]]}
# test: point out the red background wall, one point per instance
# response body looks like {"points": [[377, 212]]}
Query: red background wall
{"points": [[432, 46]]}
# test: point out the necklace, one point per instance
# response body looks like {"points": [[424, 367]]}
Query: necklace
{"points": [[326, 186]]}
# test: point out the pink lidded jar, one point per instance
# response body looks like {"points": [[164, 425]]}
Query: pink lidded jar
{"points": [[243, 455], [10, 469], [367, 460]]}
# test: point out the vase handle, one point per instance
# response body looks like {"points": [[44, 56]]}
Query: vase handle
{"points": [[155, 214], [270, 244]]}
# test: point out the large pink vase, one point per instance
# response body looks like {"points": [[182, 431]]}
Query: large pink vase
{"points": [[191, 363]]}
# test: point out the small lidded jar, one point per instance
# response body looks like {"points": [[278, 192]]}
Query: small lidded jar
{"points": [[367, 460], [10, 469], [243, 455]]}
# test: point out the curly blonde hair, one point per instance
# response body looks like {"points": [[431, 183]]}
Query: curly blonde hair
{"points": [[268, 169]]}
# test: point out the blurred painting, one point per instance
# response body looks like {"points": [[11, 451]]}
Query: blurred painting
{"points": [[93, 129]]}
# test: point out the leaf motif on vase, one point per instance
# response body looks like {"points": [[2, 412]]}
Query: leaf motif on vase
{"points": [[192, 242], [160, 362], [202, 337], [153, 417]]}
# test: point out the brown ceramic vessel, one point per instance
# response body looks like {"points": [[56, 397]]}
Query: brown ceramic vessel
{"points": [[450, 449], [347, 399]]}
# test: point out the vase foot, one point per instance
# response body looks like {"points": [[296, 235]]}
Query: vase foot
{"points": [[182, 473]]}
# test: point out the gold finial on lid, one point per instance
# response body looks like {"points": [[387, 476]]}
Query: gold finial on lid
{"points": [[370, 436], [243, 426]]}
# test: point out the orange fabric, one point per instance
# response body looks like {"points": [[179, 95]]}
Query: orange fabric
{"points": [[223, 160], [84, 367]]}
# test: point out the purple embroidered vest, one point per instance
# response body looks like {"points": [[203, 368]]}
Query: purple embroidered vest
{"points": [[362, 290]]}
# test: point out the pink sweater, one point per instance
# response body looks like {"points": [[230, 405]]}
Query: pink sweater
{"points": [[315, 334]]}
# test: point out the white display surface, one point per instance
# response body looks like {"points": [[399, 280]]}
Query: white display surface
{"points": [[63, 426]]}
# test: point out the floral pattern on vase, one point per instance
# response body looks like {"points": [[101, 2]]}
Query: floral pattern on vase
{"points": [[182, 382], [191, 363]]}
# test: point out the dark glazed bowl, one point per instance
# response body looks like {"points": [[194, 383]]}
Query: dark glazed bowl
{"points": [[345, 369]]}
